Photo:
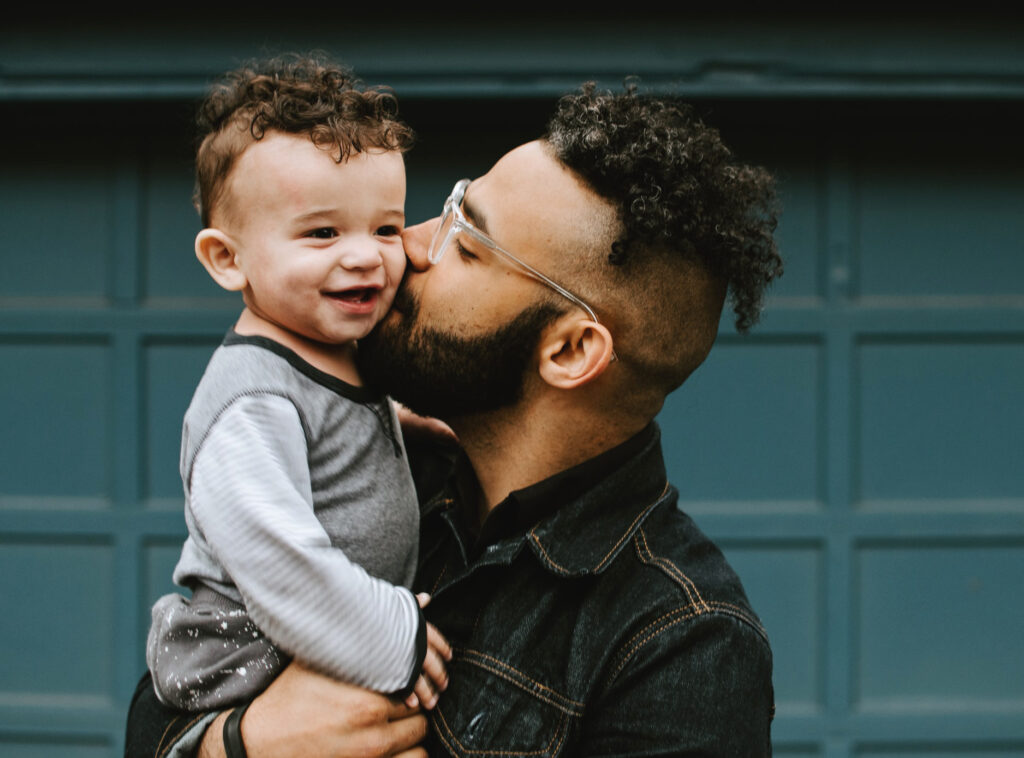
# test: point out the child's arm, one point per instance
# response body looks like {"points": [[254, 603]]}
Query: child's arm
{"points": [[251, 498]]}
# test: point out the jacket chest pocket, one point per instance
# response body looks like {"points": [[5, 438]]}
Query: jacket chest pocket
{"points": [[492, 709]]}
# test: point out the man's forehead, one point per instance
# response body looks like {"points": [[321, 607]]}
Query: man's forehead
{"points": [[530, 193], [528, 179], [525, 166]]}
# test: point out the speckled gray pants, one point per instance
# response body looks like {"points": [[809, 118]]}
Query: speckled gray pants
{"points": [[205, 653]]}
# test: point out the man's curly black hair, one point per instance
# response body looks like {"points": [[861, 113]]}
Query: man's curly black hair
{"points": [[296, 94], [676, 187]]}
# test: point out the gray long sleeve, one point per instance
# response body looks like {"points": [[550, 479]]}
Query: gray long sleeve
{"points": [[251, 498], [300, 506]]}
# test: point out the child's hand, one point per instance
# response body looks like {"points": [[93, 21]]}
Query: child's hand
{"points": [[433, 680]]}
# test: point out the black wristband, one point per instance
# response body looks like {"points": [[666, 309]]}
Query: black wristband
{"points": [[233, 745]]}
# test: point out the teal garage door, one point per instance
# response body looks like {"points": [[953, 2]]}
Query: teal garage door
{"points": [[859, 455]]}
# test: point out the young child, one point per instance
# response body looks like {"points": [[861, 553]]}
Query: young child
{"points": [[302, 517]]}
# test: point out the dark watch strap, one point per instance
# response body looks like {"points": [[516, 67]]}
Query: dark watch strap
{"points": [[233, 745]]}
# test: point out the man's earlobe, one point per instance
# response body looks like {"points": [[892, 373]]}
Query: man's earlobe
{"points": [[576, 353], [218, 254]]}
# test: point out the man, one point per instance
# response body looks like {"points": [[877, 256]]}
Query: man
{"points": [[545, 316]]}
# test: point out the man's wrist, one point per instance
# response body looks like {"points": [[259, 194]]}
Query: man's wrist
{"points": [[231, 734], [212, 744]]}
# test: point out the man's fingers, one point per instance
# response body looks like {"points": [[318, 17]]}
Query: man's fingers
{"points": [[403, 734]]}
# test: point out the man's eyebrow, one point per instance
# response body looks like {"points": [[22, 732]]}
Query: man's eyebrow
{"points": [[474, 214]]}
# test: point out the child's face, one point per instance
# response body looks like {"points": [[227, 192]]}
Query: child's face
{"points": [[319, 242]]}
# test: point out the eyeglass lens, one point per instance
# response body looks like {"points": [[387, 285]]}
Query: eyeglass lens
{"points": [[441, 239]]}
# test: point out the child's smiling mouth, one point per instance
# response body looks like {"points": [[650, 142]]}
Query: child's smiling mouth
{"points": [[356, 299]]}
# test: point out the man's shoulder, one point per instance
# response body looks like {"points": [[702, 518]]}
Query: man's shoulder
{"points": [[673, 573]]}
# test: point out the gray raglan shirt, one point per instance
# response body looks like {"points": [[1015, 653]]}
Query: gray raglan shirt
{"points": [[300, 505]]}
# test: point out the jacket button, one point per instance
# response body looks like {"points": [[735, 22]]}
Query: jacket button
{"points": [[474, 724]]}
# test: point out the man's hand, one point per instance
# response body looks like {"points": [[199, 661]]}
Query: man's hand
{"points": [[433, 680], [303, 714]]}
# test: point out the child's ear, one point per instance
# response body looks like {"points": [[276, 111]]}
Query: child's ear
{"points": [[218, 254]]}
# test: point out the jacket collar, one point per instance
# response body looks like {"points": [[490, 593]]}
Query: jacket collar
{"points": [[587, 532], [574, 522]]}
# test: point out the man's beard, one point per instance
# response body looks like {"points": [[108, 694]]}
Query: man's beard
{"points": [[439, 374]]}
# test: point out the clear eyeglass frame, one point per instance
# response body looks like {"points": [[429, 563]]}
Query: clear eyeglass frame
{"points": [[453, 222]]}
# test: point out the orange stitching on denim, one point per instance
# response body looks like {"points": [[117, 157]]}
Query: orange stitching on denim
{"points": [[560, 730], [725, 608], [437, 582], [644, 553], [670, 568], [511, 680], [439, 722], [689, 610], [625, 535], [499, 662], [496, 669], [178, 736], [741, 613], [629, 654], [685, 617], [608, 555], [536, 541], [164, 735]]}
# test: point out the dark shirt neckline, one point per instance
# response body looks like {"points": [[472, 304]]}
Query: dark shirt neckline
{"points": [[522, 509]]}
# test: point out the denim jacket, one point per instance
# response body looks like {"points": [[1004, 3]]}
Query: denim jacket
{"points": [[612, 626], [597, 621]]}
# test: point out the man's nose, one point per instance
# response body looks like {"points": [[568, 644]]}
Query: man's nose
{"points": [[417, 243]]}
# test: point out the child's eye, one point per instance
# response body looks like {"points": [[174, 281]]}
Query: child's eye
{"points": [[388, 231], [323, 233]]}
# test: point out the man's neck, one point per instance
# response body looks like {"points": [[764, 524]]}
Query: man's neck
{"points": [[515, 448]]}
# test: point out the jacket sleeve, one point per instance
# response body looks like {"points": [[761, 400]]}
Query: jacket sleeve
{"points": [[695, 686], [153, 729]]}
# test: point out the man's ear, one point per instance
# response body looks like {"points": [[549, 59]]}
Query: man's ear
{"points": [[218, 254], [574, 352]]}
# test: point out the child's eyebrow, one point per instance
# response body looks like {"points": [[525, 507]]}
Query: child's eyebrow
{"points": [[315, 214], [323, 213]]}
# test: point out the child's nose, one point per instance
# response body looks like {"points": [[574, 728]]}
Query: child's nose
{"points": [[361, 255]]}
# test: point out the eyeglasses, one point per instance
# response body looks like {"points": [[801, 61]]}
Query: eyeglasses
{"points": [[453, 222]]}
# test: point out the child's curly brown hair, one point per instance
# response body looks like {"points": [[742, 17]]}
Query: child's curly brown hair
{"points": [[294, 94]]}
